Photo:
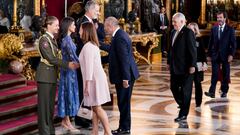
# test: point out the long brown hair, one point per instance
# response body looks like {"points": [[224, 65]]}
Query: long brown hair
{"points": [[89, 33]]}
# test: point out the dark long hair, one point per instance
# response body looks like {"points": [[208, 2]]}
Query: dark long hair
{"points": [[89, 33], [64, 25]]}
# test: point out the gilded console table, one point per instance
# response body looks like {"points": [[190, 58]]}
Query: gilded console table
{"points": [[28, 52], [144, 39]]}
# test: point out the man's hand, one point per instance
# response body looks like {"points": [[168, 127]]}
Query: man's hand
{"points": [[85, 91], [191, 70], [125, 84], [230, 58]]}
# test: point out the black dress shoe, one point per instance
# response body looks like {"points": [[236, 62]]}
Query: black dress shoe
{"points": [[209, 94], [223, 95], [180, 118], [120, 132]]}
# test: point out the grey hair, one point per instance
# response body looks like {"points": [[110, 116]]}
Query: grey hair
{"points": [[90, 5], [180, 16], [112, 21]]}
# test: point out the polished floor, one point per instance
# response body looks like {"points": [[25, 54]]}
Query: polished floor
{"points": [[154, 109]]}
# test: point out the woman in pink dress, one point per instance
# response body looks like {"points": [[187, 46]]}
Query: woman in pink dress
{"points": [[95, 85]]}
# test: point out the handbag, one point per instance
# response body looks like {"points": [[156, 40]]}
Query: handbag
{"points": [[84, 112], [201, 66]]}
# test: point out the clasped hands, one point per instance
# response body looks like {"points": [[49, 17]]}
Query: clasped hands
{"points": [[73, 65]]}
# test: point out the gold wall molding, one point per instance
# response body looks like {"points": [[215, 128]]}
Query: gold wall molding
{"points": [[144, 39], [37, 7], [202, 18], [101, 4], [129, 6], [168, 9], [14, 13]]}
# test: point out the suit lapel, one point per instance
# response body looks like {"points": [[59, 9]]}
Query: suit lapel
{"points": [[179, 35], [224, 32]]}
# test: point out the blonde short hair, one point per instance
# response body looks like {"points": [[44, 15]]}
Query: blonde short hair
{"points": [[196, 28]]}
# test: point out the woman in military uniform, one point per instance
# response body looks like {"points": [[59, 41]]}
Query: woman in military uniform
{"points": [[46, 75]]}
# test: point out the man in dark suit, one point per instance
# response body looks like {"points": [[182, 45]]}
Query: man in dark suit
{"points": [[123, 71], [221, 49], [91, 12], [181, 62], [161, 26]]}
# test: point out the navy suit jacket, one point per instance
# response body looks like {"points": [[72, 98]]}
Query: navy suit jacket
{"points": [[225, 46], [122, 65]]}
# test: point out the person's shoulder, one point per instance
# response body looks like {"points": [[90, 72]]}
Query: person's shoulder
{"points": [[121, 32], [214, 27], [84, 19], [44, 40], [187, 30], [67, 38], [90, 45], [229, 27]]}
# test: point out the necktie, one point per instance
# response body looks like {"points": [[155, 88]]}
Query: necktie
{"points": [[220, 32], [162, 19]]}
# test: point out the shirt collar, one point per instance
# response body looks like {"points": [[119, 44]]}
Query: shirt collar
{"points": [[180, 29], [50, 34], [115, 31], [222, 26], [89, 19]]}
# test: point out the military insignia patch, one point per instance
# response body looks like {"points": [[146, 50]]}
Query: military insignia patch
{"points": [[45, 45]]}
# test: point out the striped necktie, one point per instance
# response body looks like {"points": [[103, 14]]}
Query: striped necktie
{"points": [[220, 31]]}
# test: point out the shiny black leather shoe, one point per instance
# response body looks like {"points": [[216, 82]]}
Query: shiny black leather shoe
{"points": [[223, 95], [180, 119], [121, 132], [209, 94]]}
